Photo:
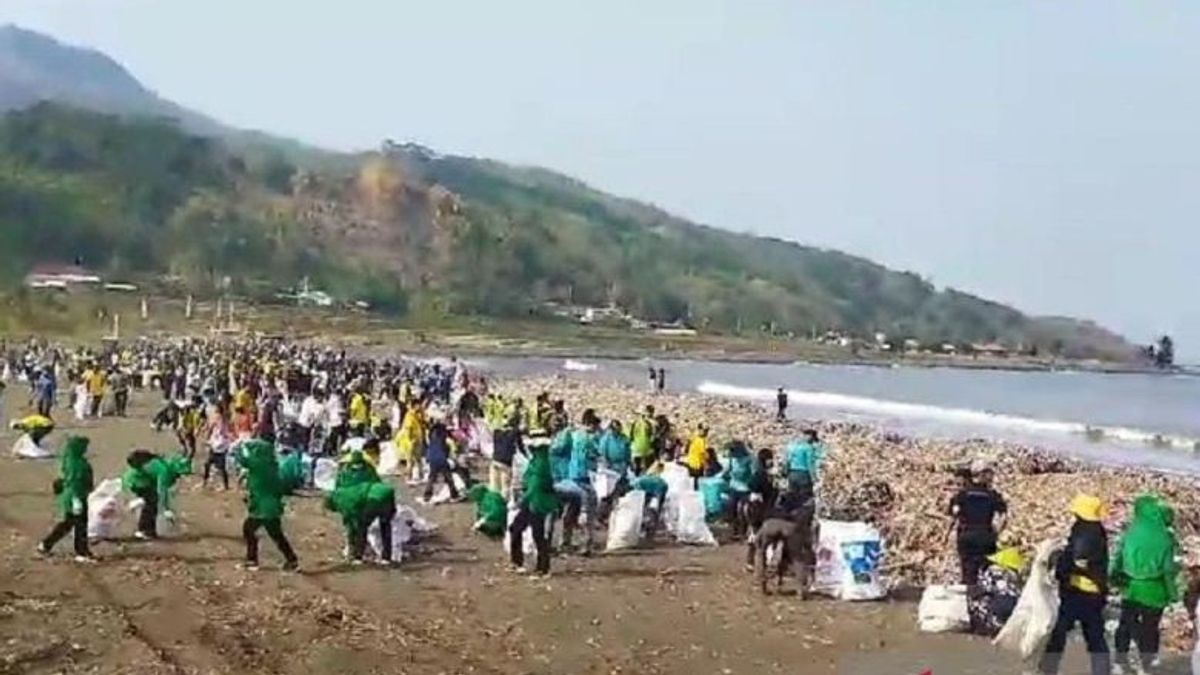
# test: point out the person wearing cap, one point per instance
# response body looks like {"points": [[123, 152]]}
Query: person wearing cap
{"points": [[1082, 574], [994, 598], [979, 513], [1144, 568]]}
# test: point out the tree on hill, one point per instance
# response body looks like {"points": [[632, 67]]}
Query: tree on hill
{"points": [[1164, 355]]}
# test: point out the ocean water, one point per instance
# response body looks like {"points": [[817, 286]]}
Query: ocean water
{"points": [[1135, 420]]}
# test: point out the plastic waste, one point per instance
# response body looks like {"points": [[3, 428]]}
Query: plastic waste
{"points": [[25, 448], [943, 609], [625, 522], [325, 474], [848, 560], [1028, 629], [104, 510]]}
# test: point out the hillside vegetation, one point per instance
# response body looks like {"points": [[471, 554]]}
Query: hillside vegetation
{"points": [[141, 198]]}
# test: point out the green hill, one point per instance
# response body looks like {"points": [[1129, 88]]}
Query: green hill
{"points": [[152, 190]]}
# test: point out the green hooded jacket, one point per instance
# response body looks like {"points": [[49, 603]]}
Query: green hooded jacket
{"points": [[158, 473], [291, 472], [491, 511], [264, 499], [538, 484], [1144, 565], [355, 470], [353, 502], [75, 477]]}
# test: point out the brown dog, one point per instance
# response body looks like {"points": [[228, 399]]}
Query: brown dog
{"points": [[797, 535]]}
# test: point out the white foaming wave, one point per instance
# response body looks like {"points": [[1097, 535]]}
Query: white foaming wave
{"points": [[579, 366], [963, 416]]}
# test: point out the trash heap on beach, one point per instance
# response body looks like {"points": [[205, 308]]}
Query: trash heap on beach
{"points": [[902, 484]]}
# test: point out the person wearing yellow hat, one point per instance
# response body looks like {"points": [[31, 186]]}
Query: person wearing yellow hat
{"points": [[1082, 573], [992, 601]]}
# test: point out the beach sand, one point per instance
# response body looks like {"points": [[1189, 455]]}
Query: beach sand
{"points": [[182, 605]]}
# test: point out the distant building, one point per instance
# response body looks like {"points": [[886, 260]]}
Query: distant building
{"points": [[990, 349], [61, 276]]}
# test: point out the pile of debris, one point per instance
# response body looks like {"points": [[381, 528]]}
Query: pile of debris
{"points": [[903, 485]]}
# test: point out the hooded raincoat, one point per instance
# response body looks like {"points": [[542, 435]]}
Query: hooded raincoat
{"points": [[1143, 565], [75, 477], [264, 488]]}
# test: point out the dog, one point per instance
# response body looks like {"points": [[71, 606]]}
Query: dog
{"points": [[796, 534]]}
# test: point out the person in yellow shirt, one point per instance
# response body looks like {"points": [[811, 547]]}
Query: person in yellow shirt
{"points": [[95, 380], [410, 440], [697, 454], [360, 411]]}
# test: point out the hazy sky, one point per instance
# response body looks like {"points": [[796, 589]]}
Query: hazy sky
{"points": [[1041, 153]]}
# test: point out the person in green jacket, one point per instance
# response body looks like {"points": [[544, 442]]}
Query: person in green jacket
{"points": [[291, 471], [74, 484], [1144, 567], [538, 502], [354, 469], [359, 505], [491, 511], [264, 502], [641, 441], [151, 478]]}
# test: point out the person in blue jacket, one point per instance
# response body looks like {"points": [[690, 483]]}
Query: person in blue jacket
{"points": [[739, 471], [802, 461], [584, 458], [616, 456], [437, 458]]}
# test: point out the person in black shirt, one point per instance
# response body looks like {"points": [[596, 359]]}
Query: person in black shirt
{"points": [[781, 400], [976, 508]]}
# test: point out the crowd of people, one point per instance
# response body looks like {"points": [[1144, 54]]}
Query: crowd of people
{"points": [[270, 410]]}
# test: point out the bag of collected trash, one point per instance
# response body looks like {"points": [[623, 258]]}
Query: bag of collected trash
{"points": [[417, 526], [104, 509], [943, 609], [690, 526], [713, 491], [81, 403], [401, 534], [25, 448], [625, 522], [605, 481], [389, 459], [1028, 629], [483, 436], [848, 557], [325, 474]]}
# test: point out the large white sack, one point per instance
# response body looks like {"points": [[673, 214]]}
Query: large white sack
{"points": [[325, 474], [943, 609], [81, 402], [418, 526], [690, 526], [605, 481], [389, 459], [401, 534], [483, 436], [1028, 629], [25, 448], [105, 510], [848, 560], [625, 522]]}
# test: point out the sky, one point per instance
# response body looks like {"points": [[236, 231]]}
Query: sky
{"points": [[1044, 154]]}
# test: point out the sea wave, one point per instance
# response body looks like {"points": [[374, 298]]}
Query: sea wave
{"points": [[579, 366], [965, 417]]}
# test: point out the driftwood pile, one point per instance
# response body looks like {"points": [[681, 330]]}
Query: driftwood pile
{"points": [[903, 485]]}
